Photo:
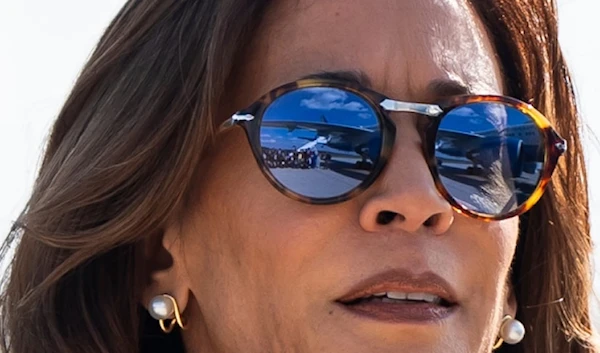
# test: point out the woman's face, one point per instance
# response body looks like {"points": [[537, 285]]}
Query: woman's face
{"points": [[256, 271]]}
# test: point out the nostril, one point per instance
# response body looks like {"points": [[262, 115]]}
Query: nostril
{"points": [[386, 217], [432, 221]]}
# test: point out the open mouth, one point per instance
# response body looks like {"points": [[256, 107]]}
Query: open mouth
{"points": [[401, 299]]}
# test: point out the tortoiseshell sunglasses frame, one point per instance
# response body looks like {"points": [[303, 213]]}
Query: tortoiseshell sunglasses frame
{"points": [[250, 120]]}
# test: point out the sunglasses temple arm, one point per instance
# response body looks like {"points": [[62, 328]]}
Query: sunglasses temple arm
{"points": [[558, 143], [561, 146], [234, 120]]}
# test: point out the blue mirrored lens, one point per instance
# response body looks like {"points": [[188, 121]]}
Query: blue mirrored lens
{"points": [[489, 156], [320, 142]]}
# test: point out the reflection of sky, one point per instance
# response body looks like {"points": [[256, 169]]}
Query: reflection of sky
{"points": [[479, 117], [320, 104]]}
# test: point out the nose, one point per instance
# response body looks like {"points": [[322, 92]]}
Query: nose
{"points": [[405, 196]]}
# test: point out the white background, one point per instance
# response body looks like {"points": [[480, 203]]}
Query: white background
{"points": [[43, 45]]}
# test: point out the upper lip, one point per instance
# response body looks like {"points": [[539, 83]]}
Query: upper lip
{"points": [[399, 280]]}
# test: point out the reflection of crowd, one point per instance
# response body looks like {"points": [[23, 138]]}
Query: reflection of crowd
{"points": [[290, 158]]}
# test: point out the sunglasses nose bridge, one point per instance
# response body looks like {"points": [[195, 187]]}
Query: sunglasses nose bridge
{"points": [[427, 117], [431, 110], [425, 125]]}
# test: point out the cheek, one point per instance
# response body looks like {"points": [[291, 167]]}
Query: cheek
{"points": [[503, 237], [493, 248], [231, 196], [241, 211], [244, 236], [482, 253]]}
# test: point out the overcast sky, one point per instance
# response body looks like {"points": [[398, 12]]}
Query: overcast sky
{"points": [[45, 43]]}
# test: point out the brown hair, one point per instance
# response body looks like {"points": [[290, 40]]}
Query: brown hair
{"points": [[126, 144]]}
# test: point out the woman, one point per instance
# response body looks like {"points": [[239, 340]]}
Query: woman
{"points": [[157, 226]]}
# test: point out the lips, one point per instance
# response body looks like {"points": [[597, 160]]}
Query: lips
{"points": [[401, 296]]}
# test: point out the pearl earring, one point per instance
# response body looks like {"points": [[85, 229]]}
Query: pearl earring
{"points": [[164, 307], [512, 331]]}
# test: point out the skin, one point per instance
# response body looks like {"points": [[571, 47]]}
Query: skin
{"points": [[256, 271]]}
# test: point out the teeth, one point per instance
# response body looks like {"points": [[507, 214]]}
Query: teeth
{"points": [[429, 298], [397, 295], [393, 297], [416, 296]]}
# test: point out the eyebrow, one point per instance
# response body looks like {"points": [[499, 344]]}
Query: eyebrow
{"points": [[447, 88], [356, 77], [437, 87]]}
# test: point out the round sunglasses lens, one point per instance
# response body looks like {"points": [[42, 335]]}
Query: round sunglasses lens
{"points": [[489, 156], [320, 142]]}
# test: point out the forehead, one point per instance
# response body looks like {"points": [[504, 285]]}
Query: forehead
{"points": [[402, 46]]}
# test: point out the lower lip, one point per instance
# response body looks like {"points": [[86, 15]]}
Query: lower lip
{"points": [[401, 312]]}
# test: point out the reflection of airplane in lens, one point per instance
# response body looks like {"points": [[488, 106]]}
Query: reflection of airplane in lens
{"points": [[364, 140], [313, 143], [520, 142]]}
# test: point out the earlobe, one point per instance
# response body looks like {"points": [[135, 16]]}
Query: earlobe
{"points": [[511, 330], [165, 271], [165, 309], [511, 305]]}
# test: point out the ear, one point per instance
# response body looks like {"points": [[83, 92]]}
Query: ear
{"points": [[166, 273]]}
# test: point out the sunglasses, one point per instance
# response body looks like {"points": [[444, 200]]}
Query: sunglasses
{"points": [[323, 141]]}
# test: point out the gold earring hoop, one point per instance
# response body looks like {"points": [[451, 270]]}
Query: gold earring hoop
{"points": [[511, 331], [164, 308]]}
